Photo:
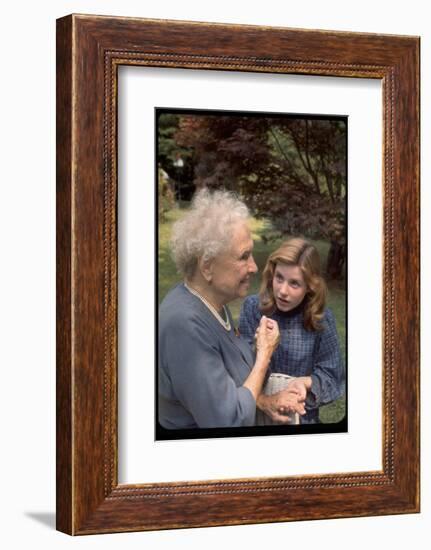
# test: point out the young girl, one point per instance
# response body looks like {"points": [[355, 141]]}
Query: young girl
{"points": [[294, 294]]}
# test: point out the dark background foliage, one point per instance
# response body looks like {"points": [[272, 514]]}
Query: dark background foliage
{"points": [[289, 170]]}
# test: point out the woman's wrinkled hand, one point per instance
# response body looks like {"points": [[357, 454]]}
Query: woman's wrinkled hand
{"points": [[279, 405], [302, 385], [267, 336]]}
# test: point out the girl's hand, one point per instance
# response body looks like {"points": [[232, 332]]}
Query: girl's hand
{"points": [[267, 337], [301, 385]]}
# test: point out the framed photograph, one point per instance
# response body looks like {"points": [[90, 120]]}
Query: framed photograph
{"points": [[317, 133]]}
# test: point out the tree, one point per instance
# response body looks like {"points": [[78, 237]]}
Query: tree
{"points": [[166, 198], [291, 170], [175, 160]]}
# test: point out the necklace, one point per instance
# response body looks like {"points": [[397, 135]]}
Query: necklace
{"points": [[224, 324]]}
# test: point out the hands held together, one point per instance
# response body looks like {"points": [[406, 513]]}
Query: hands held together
{"points": [[280, 405]]}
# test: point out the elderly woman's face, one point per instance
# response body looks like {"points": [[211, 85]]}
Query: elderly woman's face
{"points": [[232, 270]]}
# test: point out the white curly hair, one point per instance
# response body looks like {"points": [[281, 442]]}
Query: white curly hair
{"points": [[206, 230]]}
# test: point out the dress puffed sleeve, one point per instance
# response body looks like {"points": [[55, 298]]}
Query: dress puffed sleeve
{"points": [[328, 378], [249, 318]]}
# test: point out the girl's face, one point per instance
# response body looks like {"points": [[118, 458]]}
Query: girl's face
{"points": [[288, 286]]}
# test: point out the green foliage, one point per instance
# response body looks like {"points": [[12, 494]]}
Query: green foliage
{"points": [[290, 170], [333, 412], [167, 147], [175, 160], [166, 196]]}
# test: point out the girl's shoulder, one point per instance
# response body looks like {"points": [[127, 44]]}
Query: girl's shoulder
{"points": [[249, 317], [327, 313], [250, 305], [328, 319], [252, 300]]}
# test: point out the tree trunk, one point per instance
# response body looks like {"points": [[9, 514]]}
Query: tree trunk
{"points": [[336, 260]]}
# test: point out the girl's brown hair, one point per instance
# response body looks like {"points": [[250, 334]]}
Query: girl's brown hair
{"points": [[297, 252]]}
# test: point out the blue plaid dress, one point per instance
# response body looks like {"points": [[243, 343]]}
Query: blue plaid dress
{"points": [[302, 352]]}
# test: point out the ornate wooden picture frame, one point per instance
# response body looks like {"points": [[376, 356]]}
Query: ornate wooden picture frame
{"points": [[89, 51]]}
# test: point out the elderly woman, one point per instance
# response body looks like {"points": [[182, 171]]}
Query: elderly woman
{"points": [[208, 375]]}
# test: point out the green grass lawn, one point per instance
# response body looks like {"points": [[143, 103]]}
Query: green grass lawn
{"points": [[168, 277]]}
